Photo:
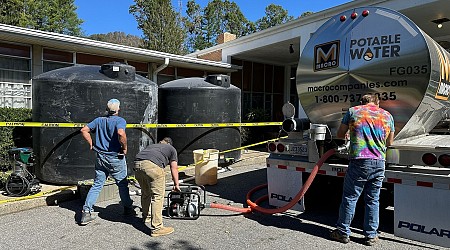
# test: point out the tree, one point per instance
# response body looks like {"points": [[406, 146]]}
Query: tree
{"points": [[216, 18], [51, 15], [194, 27], [119, 37], [10, 11], [275, 15], [307, 13], [160, 24]]}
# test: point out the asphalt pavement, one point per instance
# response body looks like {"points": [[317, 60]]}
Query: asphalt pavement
{"points": [[55, 226]]}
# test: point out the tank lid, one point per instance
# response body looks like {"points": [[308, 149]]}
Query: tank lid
{"points": [[219, 80], [119, 71]]}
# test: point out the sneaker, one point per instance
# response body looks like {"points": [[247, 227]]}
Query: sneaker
{"points": [[129, 211], [162, 231], [87, 217], [371, 241], [337, 235]]}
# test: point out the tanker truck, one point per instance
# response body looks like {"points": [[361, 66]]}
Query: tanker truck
{"points": [[379, 51]]}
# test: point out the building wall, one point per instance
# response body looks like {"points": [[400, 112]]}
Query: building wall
{"points": [[213, 56], [20, 62]]}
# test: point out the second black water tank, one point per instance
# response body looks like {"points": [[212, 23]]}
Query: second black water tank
{"points": [[200, 100]]}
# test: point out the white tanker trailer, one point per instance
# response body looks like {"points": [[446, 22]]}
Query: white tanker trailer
{"points": [[380, 51]]}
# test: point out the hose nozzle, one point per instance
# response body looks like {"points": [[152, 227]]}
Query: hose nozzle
{"points": [[344, 148]]}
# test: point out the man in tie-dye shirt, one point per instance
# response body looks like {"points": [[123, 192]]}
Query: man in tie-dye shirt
{"points": [[371, 130]]}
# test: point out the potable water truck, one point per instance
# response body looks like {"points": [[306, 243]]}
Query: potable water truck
{"points": [[379, 51]]}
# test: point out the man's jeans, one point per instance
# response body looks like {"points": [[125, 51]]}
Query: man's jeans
{"points": [[109, 165], [363, 175], [152, 179]]}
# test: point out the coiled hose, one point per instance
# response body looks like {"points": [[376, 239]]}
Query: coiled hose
{"points": [[253, 206]]}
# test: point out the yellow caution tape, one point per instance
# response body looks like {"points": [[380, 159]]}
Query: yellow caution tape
{"points": [[150, 125], [42, 124]]}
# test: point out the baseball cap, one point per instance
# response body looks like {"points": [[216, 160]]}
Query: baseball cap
{"points": [[113, 106]]}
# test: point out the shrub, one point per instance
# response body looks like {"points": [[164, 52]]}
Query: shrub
{"points": [[250, 135], [11, 137]]}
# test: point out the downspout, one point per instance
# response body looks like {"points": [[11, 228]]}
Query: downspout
{"points": [[163, 66]]}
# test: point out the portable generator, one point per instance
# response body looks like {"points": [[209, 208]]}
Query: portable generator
{"points": [[21, 182], [187, 203]]}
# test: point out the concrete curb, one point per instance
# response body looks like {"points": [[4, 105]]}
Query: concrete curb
{"points": [[12, 205]]}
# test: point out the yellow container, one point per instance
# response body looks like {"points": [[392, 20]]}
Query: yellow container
{"points": [[206, 164]]}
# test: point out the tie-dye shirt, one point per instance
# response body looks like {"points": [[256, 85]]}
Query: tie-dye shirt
{"points": [[369, 128]]}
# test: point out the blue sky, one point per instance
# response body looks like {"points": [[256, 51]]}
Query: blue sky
{"points": [[103, 16]]}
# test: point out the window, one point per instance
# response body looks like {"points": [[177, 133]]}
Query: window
{"points": [[262, 87], [278, 79], [56, 59], [268, 79], [88, 59], [141, 68], [15, 75], [182, 72], [247, 76], [258, 77], [236, 77], [166, 75]]}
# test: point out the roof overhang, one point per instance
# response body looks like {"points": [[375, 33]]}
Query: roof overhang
{"points": [[78, 44]]}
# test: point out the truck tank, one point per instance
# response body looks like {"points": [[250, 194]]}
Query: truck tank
{"points": [[374, 50]]}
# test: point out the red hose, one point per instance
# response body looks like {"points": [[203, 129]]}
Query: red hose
{"points": [[253, 206], [243, 210]]}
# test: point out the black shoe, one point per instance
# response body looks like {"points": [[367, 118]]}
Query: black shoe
{"points": [[87, 217], [129, 211], [371, 241], [337, 235]]}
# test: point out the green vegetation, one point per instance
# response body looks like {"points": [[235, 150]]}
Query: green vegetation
{"points": [[250, 135], [161, 25], [275, 15], [50, 15], [11, 137]]}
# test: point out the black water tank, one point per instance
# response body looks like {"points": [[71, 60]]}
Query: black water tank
{"points": [[78, 94], [200, 100]]}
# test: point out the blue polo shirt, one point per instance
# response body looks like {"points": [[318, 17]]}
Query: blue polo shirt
{"points": [[105, 132]]}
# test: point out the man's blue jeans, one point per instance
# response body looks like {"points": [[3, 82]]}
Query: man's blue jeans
{"points": [[363, 176], [108, 165]]}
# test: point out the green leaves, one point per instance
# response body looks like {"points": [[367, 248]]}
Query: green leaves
{"points": [[161, 25], [51, 15], [119, 37], [13, 136], [220, 16], [275, 15], [204, 25]]}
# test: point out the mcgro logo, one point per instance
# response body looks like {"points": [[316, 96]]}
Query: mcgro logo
{"points": [[326, 55]]}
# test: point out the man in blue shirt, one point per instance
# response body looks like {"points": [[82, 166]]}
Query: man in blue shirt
{"points": [[110, 145]]}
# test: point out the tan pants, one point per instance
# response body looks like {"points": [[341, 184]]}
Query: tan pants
{"points": [[152, 179]]}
